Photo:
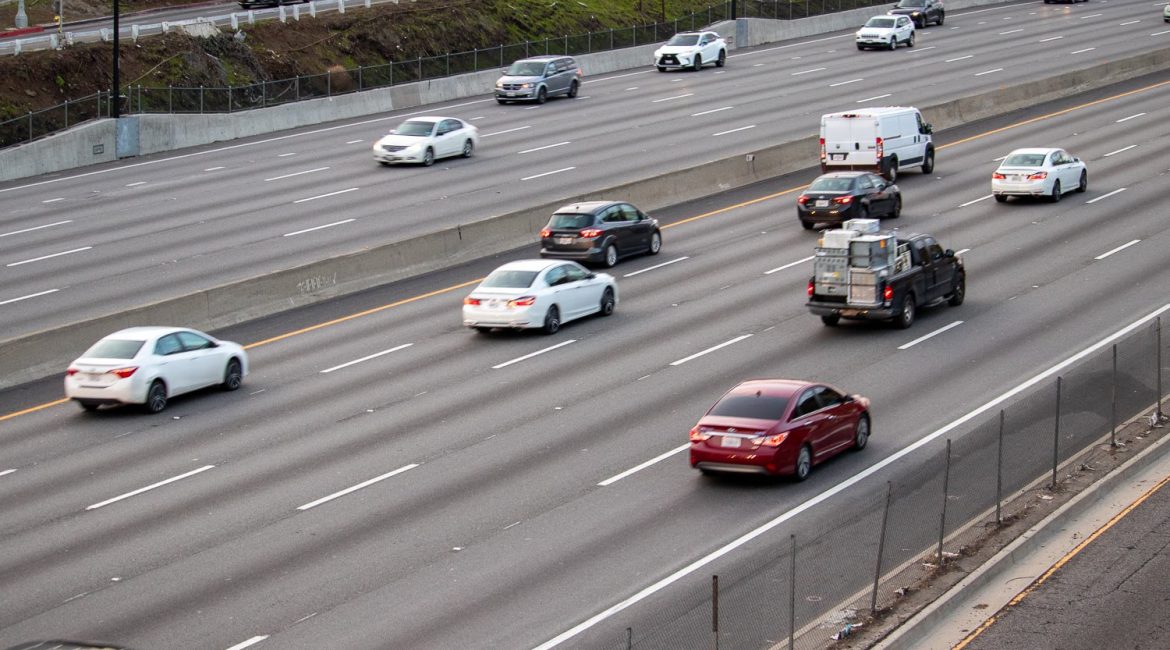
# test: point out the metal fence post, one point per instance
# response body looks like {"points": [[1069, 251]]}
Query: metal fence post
{"points": [[263, 94], [200, 99], [420, 68], [942, 527], [30, 127], [170, 98], [877, 573], [1056, 433], [999, 474], [448, 61], [66, 113], [475, 59], [715, 608], [792, 596], [359, 78], [1158, 359], [230, 94], [1113, 402], [328, 84]]}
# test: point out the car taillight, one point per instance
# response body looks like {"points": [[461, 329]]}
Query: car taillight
{"points": [[770, 441], [888, 293], [998, 176], [545, 232], [843, 200], [71, 371], [880, 150], [123, 372], [590, 233], [1038, 176], [471, 301], [522, 301], [699, 435], [811, 288], [802, 199], [822, 148]]}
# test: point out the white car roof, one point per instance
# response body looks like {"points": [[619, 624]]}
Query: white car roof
{"points": [[429, 118], [145, 332], [1034, 150], [529, 265]]}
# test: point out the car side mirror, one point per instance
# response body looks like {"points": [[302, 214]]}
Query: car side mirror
{"points": [[949, 253], [928, 128], [848, 398], [393, 131], [591, 276]]}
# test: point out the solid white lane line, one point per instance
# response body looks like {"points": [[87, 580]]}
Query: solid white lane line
{"points": [[1116, 250], [797, 74], [322, 196], [969, 56], [1091, 16], [667, 99], [838, 488], [1129, 23], [931, 335], [519, 128], [214, 169], [366, 358], [982, 198], [1105, 196], [742, 128], [710, 350], [532, 354], [547, 146], [53, 200], [353, 141], [328, 225], [980, 74], [149, 487], [31, 295], [249, 643], [842, 83], [7, 472], [555, 171], [870, 99], [1087, 49], [285, 155], [1011, 31], [48, 225], [355, 488], [637, 468], [307, 171], [1050, 38], [45, 257], [713, 110], [649, 268], [136, 184], [790, 265], [1125, 119], [1120, 150]]}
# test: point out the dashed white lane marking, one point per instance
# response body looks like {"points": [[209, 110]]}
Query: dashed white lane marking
{"points": [[1114, 153], [249, 643], [1105, 196], [870, 99], [7, 472], [756, 65], [355, 488], [328, 225], [710, 350], [980, 74], [1116, 250], [1051, 38], [961, 251], [307, 171], [547, 146], [1087, 49], [532, 108], [353, 141], [136, 184], [519, 128], [973, 201], [667, 99], [797, 74], [931, 335], [53, 200], [555, 171], [532, 354], [1131, 117], [1160, 33], [1092, 16], [961, 58], [1131, 22], [713, 110], [285, 155], [742, 128], [149, 487], [366, 358], [631, 88], [323, 196], [45, 257], [921, 49], [789, 265], [1011, 31], [31, 295], [637, 468], [214, 169], [842, 83], [48, 225], [649, 268]]}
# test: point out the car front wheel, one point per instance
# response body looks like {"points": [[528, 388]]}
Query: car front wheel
{"points": [[607, 302], [959, 292], [698, 63], [1084, 184], [655, 243], [861, 434], [803, 464], [429, 157], [233, 375], [468, 148], [541, 96], [722, 60]]}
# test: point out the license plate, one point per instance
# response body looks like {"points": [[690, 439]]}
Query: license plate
{"points": [[822, 204], [563, 240], [92, 376], [837, 156], [511, 94], [730, 442]]}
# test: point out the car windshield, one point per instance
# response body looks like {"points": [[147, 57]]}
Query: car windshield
{"points": [[570, 220], [753, 405], [881, 23], [114, 349], [526, 69], [509, 279], [911, 4], [414, 127], [831, 185], [683, 39], [1024, 160]]}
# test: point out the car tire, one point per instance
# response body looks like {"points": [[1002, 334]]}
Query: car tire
{"points": [[89, 407], [942, 15], [383, 163], [807, 225], [860, 48], [905, 317], [893, 42], [862, 211], [722, 60], [803, 467], [542, 95], [697, 64], [233, 375], [897, 211], [501, 101], [655, 243], [610, 256], [928, 161], [831, 320], [573, 88], [910, 41], [1001, 198], [428, 157], [156, 397], [552, 321], [861, 433], [662, 68], [1084, 184], [891, 169], [482, 330], [959, 291], [468, 148], [607, 302], [1056, 192]]}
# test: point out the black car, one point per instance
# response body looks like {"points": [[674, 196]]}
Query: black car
{"points": [[833, 198], [601, 232], [922, 12]]}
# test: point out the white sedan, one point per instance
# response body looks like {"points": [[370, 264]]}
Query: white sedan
{"points": [[886, 32], [426, 139], [149, 365], [691, 50], [1039, 172], [538, 294]]}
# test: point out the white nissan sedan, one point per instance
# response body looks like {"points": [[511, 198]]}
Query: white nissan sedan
{"points": [[1039, 172], [426, 139], [540, 294], [149, 365]]}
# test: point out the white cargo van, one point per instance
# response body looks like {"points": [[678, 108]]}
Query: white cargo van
{"points": [[884, 139]]}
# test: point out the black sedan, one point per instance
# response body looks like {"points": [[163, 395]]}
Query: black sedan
{"points": [[600, 232], [839, 196]]}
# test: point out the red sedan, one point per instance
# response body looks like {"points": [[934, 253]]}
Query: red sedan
{"points": [[778, 426]]}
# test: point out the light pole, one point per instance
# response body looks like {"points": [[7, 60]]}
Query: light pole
{"points": [[21, 16]]}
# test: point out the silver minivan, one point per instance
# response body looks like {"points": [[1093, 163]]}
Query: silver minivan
{"points": [[538, 78]]}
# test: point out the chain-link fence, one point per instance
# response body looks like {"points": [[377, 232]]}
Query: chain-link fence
{"points": [[874, 541]]}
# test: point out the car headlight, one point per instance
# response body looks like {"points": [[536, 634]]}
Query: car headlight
{"points": [[499, 84], [915, 13], [523, 86], [657, 53]]}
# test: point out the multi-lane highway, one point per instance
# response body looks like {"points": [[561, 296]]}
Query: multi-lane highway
{"points": [[100, 240], [499, 491]]}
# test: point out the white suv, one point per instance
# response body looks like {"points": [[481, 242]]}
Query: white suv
{"points": [[691, 50], [886, 32]]}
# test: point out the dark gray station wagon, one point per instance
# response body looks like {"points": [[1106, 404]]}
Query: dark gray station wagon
{"points": [[601, 232]]}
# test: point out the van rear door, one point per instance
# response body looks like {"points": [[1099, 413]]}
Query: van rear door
{"points": [[850, 139]]}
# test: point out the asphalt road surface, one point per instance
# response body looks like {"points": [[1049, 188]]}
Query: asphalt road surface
{"points": [[100, 240], [440, 496]]}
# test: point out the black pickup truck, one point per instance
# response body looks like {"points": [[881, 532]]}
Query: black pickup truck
{"points": [[858, 283]]}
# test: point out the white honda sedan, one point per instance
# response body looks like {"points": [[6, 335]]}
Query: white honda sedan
{"points": [[426, 139], [886, 32], [1039, 172], [538, 294], [149, 365]]}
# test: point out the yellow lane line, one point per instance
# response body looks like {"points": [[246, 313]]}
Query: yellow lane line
{"points": [[32, 409]]}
